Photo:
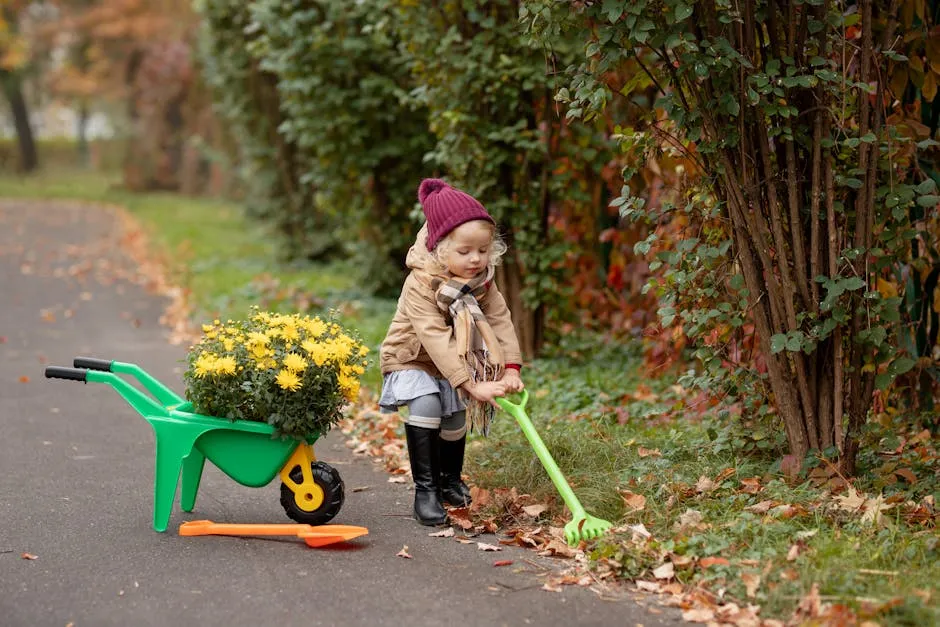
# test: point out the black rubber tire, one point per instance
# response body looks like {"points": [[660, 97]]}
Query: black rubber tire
{"points": [[329, 481]]}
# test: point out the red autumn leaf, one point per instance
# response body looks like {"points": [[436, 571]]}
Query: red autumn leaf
{"points": [[907, 474], [460, 516], [502, 562], [29, 556]]}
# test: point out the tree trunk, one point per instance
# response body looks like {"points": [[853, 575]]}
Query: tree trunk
{"points": [[13, 88], [81, 132]]}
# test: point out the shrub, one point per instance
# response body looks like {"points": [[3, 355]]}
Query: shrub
{"points": [[293, 372]]}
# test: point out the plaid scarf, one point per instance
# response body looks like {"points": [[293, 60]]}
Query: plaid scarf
{"points": [[477, 346]]}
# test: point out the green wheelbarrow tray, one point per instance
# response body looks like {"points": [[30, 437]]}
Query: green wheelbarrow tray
{"points": [[245, 451], [582, 525]]}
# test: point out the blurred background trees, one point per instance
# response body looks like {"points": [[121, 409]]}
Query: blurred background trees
{"points": [[750, 187]]}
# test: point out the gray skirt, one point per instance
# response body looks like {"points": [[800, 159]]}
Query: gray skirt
{"points": [[401, 386]]}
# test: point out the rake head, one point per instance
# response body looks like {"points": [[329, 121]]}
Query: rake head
{"points": [[586, 528]]}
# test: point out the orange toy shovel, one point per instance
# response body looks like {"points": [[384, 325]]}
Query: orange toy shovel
{"points": [[320, 535]]}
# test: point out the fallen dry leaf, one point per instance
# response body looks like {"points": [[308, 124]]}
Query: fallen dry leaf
{"points": [[446, 533], [361, 488], [398, 479], [460, 516], [698, 615], [704, 484], [751, 583], [647, 452], [404, 553], [534, 510], [483, 546], [851, 501], [708, 562], [751, 485], [24, 379], [794, 552], [665, 571], [635, 502], [558, 547], [724, 474], [502, 563], [29, 556], [648, 586], [907, 474], [761, 508]]}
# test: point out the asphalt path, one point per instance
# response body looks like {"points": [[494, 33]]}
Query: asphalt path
{"points": [[76, 485]]}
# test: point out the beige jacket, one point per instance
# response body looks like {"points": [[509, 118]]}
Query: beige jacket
{"points": [[420, 337]]}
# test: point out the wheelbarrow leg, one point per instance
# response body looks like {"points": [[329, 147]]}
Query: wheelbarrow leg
{"points": [[192, 475], [174, 442]]}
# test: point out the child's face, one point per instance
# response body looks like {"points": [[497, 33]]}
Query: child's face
{"points": [[467, 249]]}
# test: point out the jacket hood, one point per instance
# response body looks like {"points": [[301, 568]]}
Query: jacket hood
{"points": [[418, 257]]}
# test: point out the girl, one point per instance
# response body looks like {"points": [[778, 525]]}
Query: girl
{"points": [[451, 347]]}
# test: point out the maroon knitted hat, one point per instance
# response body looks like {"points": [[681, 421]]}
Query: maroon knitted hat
{"points": [[446, 208]]}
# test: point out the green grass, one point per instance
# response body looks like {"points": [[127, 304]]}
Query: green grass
{"points": [[227, 261]]}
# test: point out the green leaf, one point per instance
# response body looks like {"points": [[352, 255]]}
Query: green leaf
{"points": [[853, 283], [928, 200], [683, 11], [900, 365], [777, 343]]}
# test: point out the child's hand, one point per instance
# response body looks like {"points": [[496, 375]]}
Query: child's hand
{"points": [[512, 380], [485, 391]]}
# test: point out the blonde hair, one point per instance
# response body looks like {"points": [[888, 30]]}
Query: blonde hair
{"points": [[498, 248]]}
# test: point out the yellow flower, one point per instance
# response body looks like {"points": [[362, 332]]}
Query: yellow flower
{"points": [[260, 351], [225, 365], [315, 327], [287, 380], [290, 333], [363, 351], [349, 386], [205, 364], [229, 344], [258, 338], [294, 362], [318, 351]]}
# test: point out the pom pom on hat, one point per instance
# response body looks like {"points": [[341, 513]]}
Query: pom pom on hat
{"points": [[428, 186], [446, 208]]}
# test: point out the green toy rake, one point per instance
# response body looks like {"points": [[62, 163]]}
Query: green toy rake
{"points": [[582, 526]]}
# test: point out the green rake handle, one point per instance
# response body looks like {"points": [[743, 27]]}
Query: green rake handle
{"points": [[582, 525], [561, 484]]}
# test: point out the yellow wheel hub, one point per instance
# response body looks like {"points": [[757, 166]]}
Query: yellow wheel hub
{"points": [[307, 494]]}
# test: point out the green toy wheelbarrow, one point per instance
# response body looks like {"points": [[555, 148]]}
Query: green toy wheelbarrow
{"points": [[312, 492]]}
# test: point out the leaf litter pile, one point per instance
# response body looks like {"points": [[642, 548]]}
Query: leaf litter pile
{"points": [[713, 587]]}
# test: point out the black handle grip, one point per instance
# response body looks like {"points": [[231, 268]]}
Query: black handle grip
{"points": [[92, 364], [61, 372]]}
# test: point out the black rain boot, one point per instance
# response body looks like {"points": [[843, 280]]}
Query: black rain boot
{"points": [[453, 490], [424, 455]]}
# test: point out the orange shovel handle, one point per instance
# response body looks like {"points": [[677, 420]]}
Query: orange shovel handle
{"points": [[319, 535], [207, 527]]}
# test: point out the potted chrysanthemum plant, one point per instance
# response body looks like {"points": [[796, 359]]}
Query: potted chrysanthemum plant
{"points": [[291, 371]]}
